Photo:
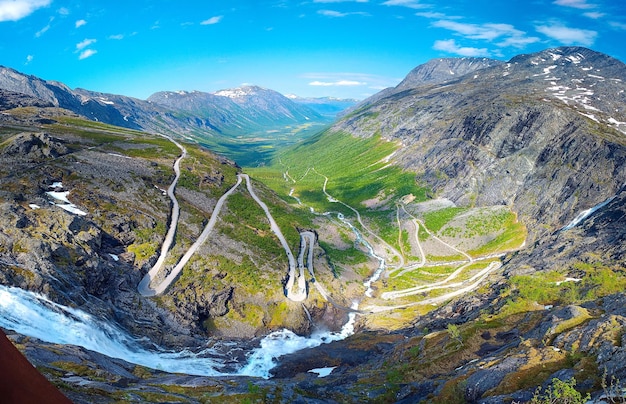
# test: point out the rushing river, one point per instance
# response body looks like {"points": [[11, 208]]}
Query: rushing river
{"points": [[36, 316]]}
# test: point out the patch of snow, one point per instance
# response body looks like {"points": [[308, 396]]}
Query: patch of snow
{"points": [[115, 257], [59, 196], [587, 68], [72, 209], [65, 203], [34, 206], [235, 92], [57, 184], [546, 71], [596, 76], [106, 101], [567, 280], [323, 372], [555, 56], [590, 116], [575, 59]]}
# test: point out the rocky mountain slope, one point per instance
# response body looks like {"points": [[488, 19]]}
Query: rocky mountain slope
{"points": [[543, 133], [435, 71]]}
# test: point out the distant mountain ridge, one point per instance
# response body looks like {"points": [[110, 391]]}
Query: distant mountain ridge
{"points": [[240, 109], [326, 106], [189, 114]]}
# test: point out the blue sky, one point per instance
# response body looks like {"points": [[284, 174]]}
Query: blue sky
{"points": [[340, 48]]}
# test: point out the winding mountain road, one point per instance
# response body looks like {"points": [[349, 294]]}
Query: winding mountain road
{"points": [[144, 285], [145, 288]]}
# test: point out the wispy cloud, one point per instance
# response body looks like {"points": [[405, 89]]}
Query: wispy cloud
{"points": [[340, 83], [581, 4], [405, 3], [594, 15], [29, 59], [618, 25], [507, 34], [80, 23], [85, 43], [346, 79], [212, 20], [13, 10], [44, 29], [87, 53], [434, 15], [116, 37], [337, 14], [568, 36], [451, 46]]}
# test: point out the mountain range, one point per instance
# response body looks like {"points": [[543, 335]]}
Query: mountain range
{"points": [[492, 192]]}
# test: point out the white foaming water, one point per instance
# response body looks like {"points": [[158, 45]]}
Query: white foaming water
{"points": [[36, 316], [586, 213], [284, 342]]}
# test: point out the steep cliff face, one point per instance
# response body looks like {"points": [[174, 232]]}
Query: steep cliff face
{"points": [[543, 133]]}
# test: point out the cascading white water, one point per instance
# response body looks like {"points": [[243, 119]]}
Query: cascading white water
{"points": [[36, 316]]}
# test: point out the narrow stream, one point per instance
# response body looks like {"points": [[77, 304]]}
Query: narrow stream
{"points": [[381, 261]]}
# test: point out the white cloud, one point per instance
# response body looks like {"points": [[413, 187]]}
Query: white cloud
{"points": [[507, 33], [568, 36], [29, 59], [80, 23], [340, 1], [13, 10], [594, 15], [64, 11], [432, 15], [87, 53], [212, 20], [617, 25], [85, 43], [44, 29], [582, 4], [332, 13], [117, 36], [340, 83], [405, 3], [451, 46]]}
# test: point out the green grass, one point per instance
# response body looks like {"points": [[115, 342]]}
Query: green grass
{"points": [[354, 166], [435, 220], [528, 292]]}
